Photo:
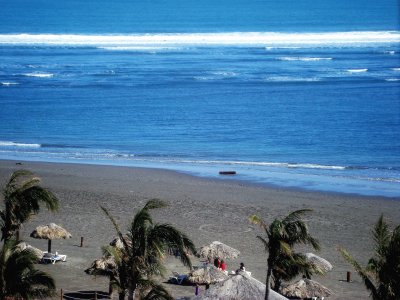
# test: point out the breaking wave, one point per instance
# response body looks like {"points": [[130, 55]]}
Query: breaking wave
{"points": [[266, 39]]}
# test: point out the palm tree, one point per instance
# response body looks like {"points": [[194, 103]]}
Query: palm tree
{"points": [[22, 197], [281, 237], [382, 274], [19, 278], [141, 256]]}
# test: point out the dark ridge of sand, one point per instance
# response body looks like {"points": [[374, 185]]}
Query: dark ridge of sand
{"points": [[205, 209]]}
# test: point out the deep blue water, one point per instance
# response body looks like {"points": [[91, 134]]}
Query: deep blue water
{"points": [[309, 99]]}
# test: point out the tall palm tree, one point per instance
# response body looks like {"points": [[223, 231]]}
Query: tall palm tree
{"points": [[18, 276], [144, 248], [22, 197], [280, 238], [382, 274]]}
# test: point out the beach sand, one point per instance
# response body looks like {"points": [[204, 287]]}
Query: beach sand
{"points": [[205, 209]]}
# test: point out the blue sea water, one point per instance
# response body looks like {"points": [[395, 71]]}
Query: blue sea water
{"points": [[297, 94]]}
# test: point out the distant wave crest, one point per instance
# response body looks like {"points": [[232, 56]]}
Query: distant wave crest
{"points": [[291, 79], [39, 74], [357, 70], [8, 83], [291, 58], [266, 39], [15, 144]]}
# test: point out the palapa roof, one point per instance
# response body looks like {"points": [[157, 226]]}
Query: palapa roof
{"points": [[238, 287], [319, 262], [50, 232], [218, 249], [117, 242], [207, 275], [38, 253], [102, 266], [305, 288]]}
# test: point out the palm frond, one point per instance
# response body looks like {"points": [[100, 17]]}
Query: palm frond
{"points": [[257, 220], [155, 203], [264, 242], [381, 236], [172, 238], [361, 272], [115, 224], [295, 215]]}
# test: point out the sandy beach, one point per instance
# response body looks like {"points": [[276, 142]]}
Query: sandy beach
{"points": [[205, 209]]}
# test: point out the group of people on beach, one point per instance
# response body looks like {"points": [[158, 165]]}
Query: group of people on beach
{"points": [[220, 264]]}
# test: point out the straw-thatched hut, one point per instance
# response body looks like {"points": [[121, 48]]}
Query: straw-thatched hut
{"points": [[50, 232], [305, 288], [207, 275], [319, 262], [237, 287], [117, 242], [218, 249], [38, 253], [102, 266]]}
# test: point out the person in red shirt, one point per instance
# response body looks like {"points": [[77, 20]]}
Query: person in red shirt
{"points": [[222, 265]]}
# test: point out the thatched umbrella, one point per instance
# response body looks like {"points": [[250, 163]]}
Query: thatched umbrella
{"points": [[318, 262], [38, 253], [207, 275], [305, 288], [218, 249], [239, 286], [50, 232], [102, 266], [117, 242]]}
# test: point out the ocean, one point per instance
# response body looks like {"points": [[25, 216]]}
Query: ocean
{"points": [[301, 95]]}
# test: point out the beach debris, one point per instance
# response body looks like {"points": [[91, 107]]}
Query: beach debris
{"points": [[227, 172], [305, 288], [319, 262], [207, 275], [240, 286], [218, 249], [50, 232]]}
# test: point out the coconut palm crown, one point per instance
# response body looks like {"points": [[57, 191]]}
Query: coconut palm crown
{"points": [[18, 276], [382, 274], [22, 198], [280, 238], [141, 256]]}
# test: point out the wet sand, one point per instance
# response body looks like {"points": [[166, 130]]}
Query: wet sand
{"points": [[206, 209]]}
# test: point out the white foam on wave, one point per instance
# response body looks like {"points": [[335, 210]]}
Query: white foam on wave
{"points": [[291, 79], [267, 164], [396, 69], [225, 73], [39, 74], [298, 58], [391, 52], [357, 70], [392, 79], [7, 83], [140, 48], [14, 144], [267, 39]]}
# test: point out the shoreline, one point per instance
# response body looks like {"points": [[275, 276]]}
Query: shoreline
{"points": [[206, 209], [214, 173]]}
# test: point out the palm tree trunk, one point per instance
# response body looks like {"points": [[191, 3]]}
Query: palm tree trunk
{"points": [[131, 294], [121, 295], [267, 282]]}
